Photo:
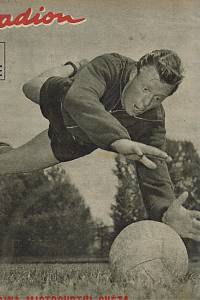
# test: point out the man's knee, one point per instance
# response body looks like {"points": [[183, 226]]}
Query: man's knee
{"points": [[31, 92]]}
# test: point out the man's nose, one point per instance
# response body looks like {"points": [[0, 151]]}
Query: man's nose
{"points": [[145, 101]]}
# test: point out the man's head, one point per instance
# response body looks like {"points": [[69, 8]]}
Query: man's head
{"points": [[159, 74]]}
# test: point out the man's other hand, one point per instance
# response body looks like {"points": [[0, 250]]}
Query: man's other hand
{"points": [[184, 221], [140, 152]]}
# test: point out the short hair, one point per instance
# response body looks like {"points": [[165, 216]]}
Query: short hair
{"points": [[168, 65]]}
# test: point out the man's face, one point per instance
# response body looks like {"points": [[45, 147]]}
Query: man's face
{"points": [[145, 91]]}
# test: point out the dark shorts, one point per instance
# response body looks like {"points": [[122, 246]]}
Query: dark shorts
{"points": [[64, 146]]}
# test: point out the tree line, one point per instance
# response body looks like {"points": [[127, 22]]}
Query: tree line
{"points": [[42, 214]]}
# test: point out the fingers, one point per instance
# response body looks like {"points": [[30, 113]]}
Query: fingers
{"points": [[143, 160], [152, 151], [143, 154], [147, 162], [196, 224], [168, 159], [194, 236], [195, 214], [182, 198], [194, 233], [136, 149]]}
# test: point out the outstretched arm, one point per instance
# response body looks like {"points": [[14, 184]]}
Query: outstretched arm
{"points": [[156, 188], [159, 198]]}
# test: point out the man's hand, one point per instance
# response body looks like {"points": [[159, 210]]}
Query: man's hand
{"points": [[140, 152], [184, 221]]}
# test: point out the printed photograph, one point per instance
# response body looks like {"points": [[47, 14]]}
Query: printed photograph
{"points": [[99, 150]]}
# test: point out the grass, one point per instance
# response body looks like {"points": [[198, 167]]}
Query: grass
{"points": [[86, 279]]}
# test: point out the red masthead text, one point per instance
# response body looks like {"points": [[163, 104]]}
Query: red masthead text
{"points": [[27, 19]]}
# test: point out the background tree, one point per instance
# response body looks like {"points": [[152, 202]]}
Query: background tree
{"points": [[43, 214], [103, 239], [129, 206]]}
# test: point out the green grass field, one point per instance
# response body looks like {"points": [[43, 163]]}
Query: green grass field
{"points": [[85, 279]]}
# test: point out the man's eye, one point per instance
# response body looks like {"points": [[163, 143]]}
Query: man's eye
{"points": [[157, 99], [145, 89]]}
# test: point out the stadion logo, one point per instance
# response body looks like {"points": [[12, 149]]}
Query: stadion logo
{"points": [[26, 19]]}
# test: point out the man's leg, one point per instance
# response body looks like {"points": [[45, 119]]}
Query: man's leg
{"points": [[34, 155]]}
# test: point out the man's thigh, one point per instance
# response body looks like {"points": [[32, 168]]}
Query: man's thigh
{"points": [[65, 147]]}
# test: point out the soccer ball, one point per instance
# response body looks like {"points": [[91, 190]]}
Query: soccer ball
{"points": [[148, 251]]}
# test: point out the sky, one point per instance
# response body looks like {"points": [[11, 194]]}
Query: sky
{"points": [[129, 27]]}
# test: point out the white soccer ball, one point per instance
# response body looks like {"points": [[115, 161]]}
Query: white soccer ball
{"points": [[148, 250]]}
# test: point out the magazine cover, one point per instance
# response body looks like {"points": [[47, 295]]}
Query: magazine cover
{"points": [[99, 150]]}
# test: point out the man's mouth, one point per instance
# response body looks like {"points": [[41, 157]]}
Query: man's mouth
{"points": [[137, 110]]}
